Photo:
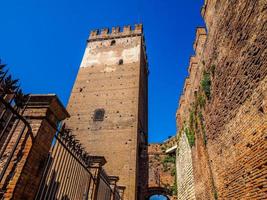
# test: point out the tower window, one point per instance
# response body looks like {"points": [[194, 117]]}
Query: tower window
{"points": [[99, 114], [113, 42], [120, 62]]}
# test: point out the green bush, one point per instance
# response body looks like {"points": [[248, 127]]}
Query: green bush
{"points": [[165, 167], [174, 186], [200, 116], [190, 136], [206, 84], [173, 171], [201, 101], [169, 159]]}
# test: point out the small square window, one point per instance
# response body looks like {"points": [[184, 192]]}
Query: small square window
{"points": [[113, 42], [99, 114], [120, 61]]}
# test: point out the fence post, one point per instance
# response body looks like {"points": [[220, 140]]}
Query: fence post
{"points": [[121, 190], [113, 183], [43, 113], [96, 164]]}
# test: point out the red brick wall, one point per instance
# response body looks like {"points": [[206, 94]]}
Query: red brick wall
{"points": [[235, 116], [119, 89]]}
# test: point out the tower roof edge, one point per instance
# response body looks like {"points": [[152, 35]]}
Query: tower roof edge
{"points": [[116, 32]]}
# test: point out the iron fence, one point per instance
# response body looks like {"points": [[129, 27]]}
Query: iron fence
{"points": [[14, 128], [70, 173]]}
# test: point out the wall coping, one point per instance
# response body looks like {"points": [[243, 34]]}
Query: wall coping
{"points": [[51, 101]]}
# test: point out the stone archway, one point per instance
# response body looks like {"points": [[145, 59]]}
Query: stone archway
{"points": [[158, 191], [162, 169]]}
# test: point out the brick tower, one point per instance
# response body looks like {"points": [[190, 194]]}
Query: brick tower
{"points": [[108, 104]]}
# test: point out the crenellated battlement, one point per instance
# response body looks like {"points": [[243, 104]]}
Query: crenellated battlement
{"points": [[201, 34], [208, 11], [195, 71], [116, 32]]}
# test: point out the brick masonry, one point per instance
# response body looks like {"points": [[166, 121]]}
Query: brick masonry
{"points": [[161, 166], [185, 177], [113, 77], [199, 181], [233, 161], [24, 172]]}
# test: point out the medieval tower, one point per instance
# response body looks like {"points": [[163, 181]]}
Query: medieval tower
{"points": [[108, 104]]}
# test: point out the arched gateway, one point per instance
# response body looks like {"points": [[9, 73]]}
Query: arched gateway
{"points": [[162, 169], [158, 191]]}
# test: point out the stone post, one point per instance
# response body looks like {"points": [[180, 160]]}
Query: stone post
{"points": [[43, 113], [96, 164], [113, 183], [121, 190]]}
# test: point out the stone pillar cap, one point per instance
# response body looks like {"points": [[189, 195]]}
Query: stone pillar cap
{"points": [[98, 160], [120, 187], [51, 101], [113, 178]]}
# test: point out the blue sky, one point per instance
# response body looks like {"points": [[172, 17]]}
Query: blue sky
{"points": [[158, 197], [43, 43]]}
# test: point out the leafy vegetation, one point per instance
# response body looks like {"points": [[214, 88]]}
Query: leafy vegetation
{"points": [[157, 157], [174, 187], [191, 119], [201, 101], [169, 159], [190, 136], [206, 84], [212, 69], [165, 167], [163, 148], [215, 195], [201, 119], [173, 171]]}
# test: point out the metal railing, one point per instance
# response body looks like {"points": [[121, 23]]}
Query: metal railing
{"points": [[14, 128], [70, 173]]}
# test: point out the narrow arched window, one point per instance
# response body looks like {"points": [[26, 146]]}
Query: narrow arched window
{"points": [[99, 114]]}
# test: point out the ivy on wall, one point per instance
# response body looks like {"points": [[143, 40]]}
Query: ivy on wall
{"points": [[196, 119], [169, 164], [190, 136], [206, 84], [194, 126]]}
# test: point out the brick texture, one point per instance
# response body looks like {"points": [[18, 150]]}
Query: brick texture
{"points": [[233, 160], [161, 166], [185, 177], [113, 77], [25, 170]]}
